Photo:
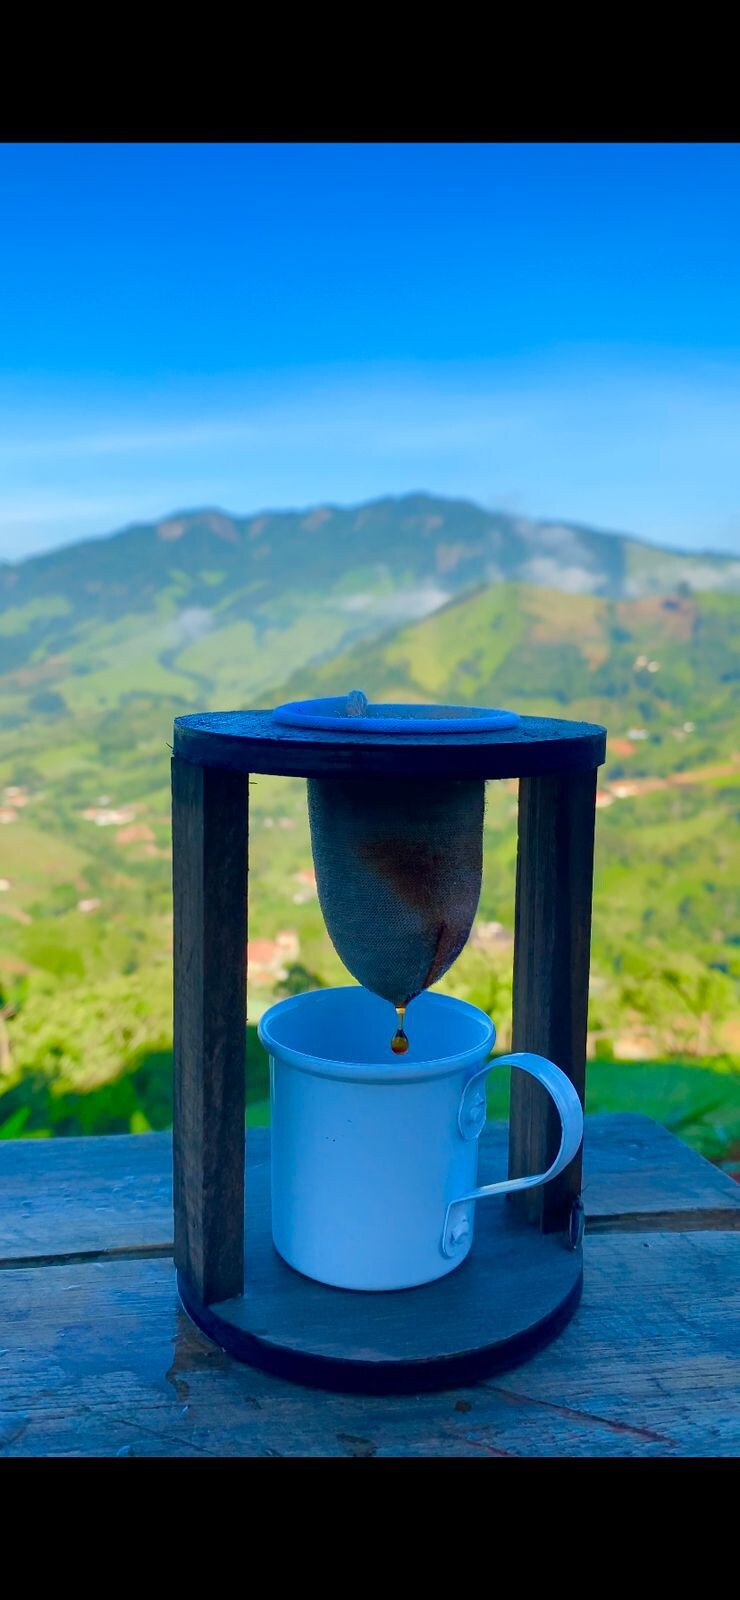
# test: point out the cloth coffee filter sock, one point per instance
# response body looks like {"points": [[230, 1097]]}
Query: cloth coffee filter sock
{"points": [[398, 871], [398, 861]]}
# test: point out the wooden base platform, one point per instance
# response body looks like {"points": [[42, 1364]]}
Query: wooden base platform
{"points": [[514, 1293]]}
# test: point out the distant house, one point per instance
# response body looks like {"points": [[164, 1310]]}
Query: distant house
{"points": [[486, 934], [266, 958], [135, 833], [109, 818], [307, 890], [621, 747], [13, 799]]}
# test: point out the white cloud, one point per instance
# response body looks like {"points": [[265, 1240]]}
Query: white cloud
{"points": [[185, 437], [697, 576], [191, 624], [406, 604], [410, 604], [553, 574]]}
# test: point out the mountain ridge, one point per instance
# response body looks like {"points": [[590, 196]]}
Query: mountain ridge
{"points": [[201, 513], [160, 605]]}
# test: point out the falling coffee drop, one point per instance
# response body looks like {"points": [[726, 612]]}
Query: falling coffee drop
{"points": [[399, 1042]]}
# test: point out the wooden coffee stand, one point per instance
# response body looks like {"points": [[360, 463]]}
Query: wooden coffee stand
{"points": [[522, 1280]]}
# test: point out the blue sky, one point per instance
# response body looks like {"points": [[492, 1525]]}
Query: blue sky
{"points": [[552, 329]]}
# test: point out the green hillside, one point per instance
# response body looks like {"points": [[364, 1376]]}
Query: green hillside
{"points": [[86, 714], [655, 663], [205, 602], [662, 675]]}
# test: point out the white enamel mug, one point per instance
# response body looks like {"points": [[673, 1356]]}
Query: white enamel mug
{"points": [[374, 1156]]}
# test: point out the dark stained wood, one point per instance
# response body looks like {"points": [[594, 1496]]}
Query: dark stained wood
{"points": [[209, 835], [552, 942], [99, 1360], [64, 1198], [249, 741], [459, 1328]]}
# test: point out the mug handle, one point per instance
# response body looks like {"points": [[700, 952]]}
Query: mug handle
{"points": [[471, 1118]]}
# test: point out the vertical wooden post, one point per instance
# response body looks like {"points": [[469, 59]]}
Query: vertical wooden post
{"points": [[209, 873], [552, 943]]}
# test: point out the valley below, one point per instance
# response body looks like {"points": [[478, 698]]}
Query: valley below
{"points": [[417, 599]]}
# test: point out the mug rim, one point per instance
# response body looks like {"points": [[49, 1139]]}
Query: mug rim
{"points": [[389, 1072]]}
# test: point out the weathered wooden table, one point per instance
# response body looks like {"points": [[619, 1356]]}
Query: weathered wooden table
{"points": [[98, 1359]]}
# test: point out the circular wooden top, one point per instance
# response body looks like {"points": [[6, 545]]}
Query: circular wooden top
{"points": [[250, 741]]}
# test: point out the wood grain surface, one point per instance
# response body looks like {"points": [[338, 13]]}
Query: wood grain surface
{"points": [[249, 741], [552, 943], [100, 1360], [209, 862], [61, 1198]]}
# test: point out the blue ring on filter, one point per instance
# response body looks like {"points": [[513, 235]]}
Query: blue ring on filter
{"points": [[327, 715]]}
